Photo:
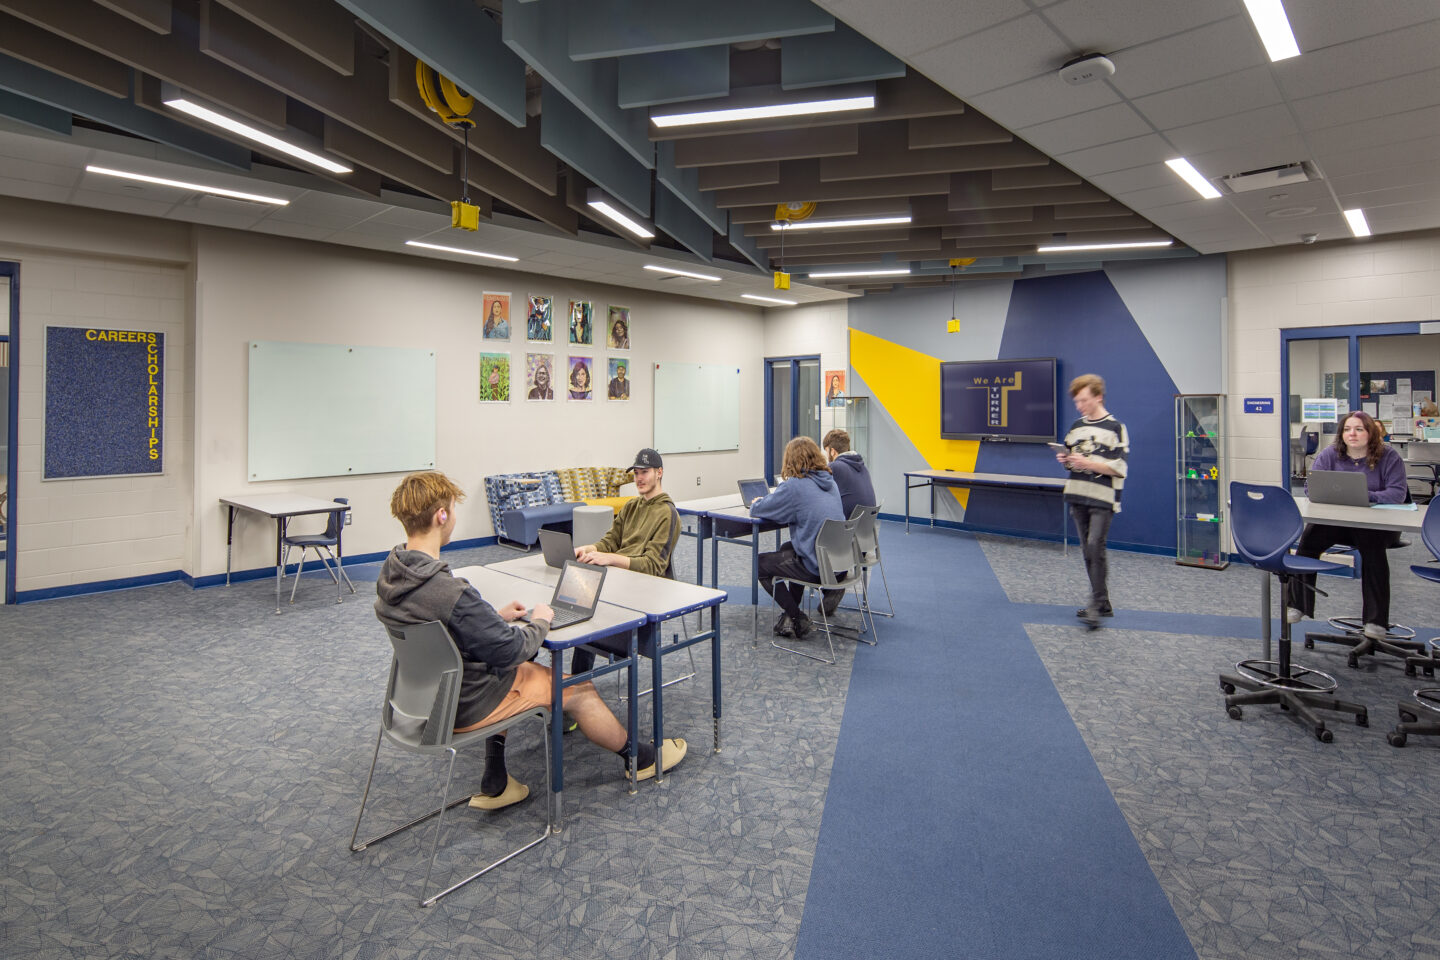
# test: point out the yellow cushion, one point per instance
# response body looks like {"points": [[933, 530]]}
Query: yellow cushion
{"points": [[614, 503]]}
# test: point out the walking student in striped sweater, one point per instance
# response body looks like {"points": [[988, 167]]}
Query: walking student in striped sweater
{"points": [[1096, 448]]}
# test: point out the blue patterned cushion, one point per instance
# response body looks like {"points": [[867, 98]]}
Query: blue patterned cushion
{"points": [[510, 491]]}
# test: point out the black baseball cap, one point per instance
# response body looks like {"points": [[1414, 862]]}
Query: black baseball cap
{"points": [[647, 458]]}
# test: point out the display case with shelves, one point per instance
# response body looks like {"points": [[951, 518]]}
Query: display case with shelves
{"points": [[1200, 515]]}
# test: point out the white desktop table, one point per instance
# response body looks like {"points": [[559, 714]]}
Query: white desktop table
{"points": [[659, 599], [609, 620], [280, 507]]}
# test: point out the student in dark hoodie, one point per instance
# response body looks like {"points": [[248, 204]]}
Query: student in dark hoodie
{"points": [[805, 499], [856, 489], [499, 679]]}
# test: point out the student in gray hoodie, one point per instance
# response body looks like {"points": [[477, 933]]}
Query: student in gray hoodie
{"points": [[499, 679], [805, 499]]}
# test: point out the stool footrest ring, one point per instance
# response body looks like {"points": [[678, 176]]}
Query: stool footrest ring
{"points": [[1393, 631], [1266, 673]]}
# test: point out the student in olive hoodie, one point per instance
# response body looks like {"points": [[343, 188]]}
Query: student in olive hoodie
{"points": [[805, 499], [499, 679]]}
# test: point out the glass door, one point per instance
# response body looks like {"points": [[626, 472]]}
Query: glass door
{"points": [[1317, 370], [792, 406], [9, 303]]}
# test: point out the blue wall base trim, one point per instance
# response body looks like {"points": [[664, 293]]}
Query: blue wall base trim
{"points": [[101, 586]]}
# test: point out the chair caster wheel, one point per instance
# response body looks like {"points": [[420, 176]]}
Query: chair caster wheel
{"points": [[1235, 712], [1309, 644], [1324, 736], [1352, 662], [1362, 720], [1227, 688], [1409, 670], [1284, 706], [1408, 717], [1396, 739]]}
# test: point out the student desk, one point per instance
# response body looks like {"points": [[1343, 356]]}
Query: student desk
{"points": [[659, 600], [993, 481], [280, 507], [704, 527], [609, 620], [739, 516]]}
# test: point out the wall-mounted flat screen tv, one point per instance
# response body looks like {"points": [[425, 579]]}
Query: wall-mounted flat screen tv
{"points": [[998, 400]]}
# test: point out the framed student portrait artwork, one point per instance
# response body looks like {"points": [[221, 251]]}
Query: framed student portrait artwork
{"points": [[539, 325], [581, 320], [578, 382], [618, 385], [834, 388], [494, 378], [618, 329], [539, 376], [496, 310]]}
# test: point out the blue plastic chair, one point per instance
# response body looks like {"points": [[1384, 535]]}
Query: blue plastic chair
{"points": [[318, 542], [1265, 523], [1427, 698]]}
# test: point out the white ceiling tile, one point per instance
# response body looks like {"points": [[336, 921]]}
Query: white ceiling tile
{"points": [[1167, 193], [909, 28], [1251, 126], [1249, 156], [1259, 202], [235, 219], [1387, 196], [1396, 128], [1424, 173], [1323, 23], [1398, 95], [1110, 25], [1009, 53], [1209, 99], [1374, 158], [283, 228], [1134, 178], [1118, 156], [34, 190], [40, 171], [1041, 98], [1092, 128], [1200, 54], [1222, 219], [1190, 210], [1360, 61], [136, 203]]}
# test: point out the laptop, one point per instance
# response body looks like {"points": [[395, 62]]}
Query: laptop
{"points": [[576, 594], [1343, 487], [751, 490], [558, 547]]}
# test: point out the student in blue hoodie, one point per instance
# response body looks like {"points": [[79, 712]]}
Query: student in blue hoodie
{"points": [[805, 499], [856, 489]]}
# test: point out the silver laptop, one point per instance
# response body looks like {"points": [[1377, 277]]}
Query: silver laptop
{"points": [[558, 547], [1343, 487], [751, 490], [577, 593]]}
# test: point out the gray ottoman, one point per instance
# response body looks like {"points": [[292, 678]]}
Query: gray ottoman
{"points": [[589, 523]]}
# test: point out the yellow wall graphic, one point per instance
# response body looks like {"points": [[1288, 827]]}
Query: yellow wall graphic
{"points": [[907, 384]]}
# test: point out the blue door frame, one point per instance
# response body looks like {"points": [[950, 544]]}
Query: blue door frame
{"points": [[1353, 332], [770, 364], [11, 271]]}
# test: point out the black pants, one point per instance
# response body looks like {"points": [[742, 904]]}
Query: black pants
{"points": [[784, 562], [1374, 568], [1094, 526]]}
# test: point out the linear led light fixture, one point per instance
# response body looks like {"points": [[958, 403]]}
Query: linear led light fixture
{"points": [[1274, 28], [775, 300], [894, 272], [1077, 247], [1192, 176], [827, 224], [601, 204], [469, 253], [252, 133], [764, 112], [181, 184], [682, 273], [1356, 219]]}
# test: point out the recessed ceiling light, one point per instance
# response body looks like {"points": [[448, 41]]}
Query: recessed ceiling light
{"points": [[609, 210], [1192, 176], [828, 224], [682, 273], [181, 184], [252, 133], [1077, 247], [1274, 28], [776, 300], [896, 272], [468, 253], [766, 111], [1356, 219]]}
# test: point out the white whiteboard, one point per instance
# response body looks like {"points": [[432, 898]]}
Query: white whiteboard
{"points": [[697, 407], [325, 410]]}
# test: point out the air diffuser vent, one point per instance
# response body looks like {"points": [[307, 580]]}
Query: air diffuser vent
{"points": [[1269, 177]]}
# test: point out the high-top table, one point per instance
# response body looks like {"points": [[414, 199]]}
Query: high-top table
{"points": [[280, 507], [609, 621], [990, 481], [659, 600]]}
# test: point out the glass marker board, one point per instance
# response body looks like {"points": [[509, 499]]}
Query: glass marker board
{"points": [[697, 407]]}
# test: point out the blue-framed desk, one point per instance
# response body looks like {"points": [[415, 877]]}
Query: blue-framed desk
{"points": [[989, 481], [659, 600], [609, 621], [700, 510], [735, 525], [280, 507]]}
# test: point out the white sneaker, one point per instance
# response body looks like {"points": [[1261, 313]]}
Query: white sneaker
{"points": [[1293, 616], [1376, 631]]}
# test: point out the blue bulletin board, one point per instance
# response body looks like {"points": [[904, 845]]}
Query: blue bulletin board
{"points": [[104, 402]]}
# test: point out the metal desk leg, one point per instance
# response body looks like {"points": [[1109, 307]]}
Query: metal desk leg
{"points": [[280, 524], [700, 549], [755, 579], [557, 739], [656, 690], [1265, 613], [634, 714], [714, 560], [715, 670], [229, 540], [932, 503], [907, 505]]}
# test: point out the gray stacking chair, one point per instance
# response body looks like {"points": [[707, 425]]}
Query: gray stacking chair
{"points": [[867, 538], [318, 542], [838, 557], [418, 716]]}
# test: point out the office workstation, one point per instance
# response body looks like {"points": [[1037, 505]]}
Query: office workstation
{"points": [[187, 766]]}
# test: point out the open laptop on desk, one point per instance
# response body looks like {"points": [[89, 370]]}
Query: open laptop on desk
{"points": [[1344, 488], [752, 490], [558, 547], [577, 594]]}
